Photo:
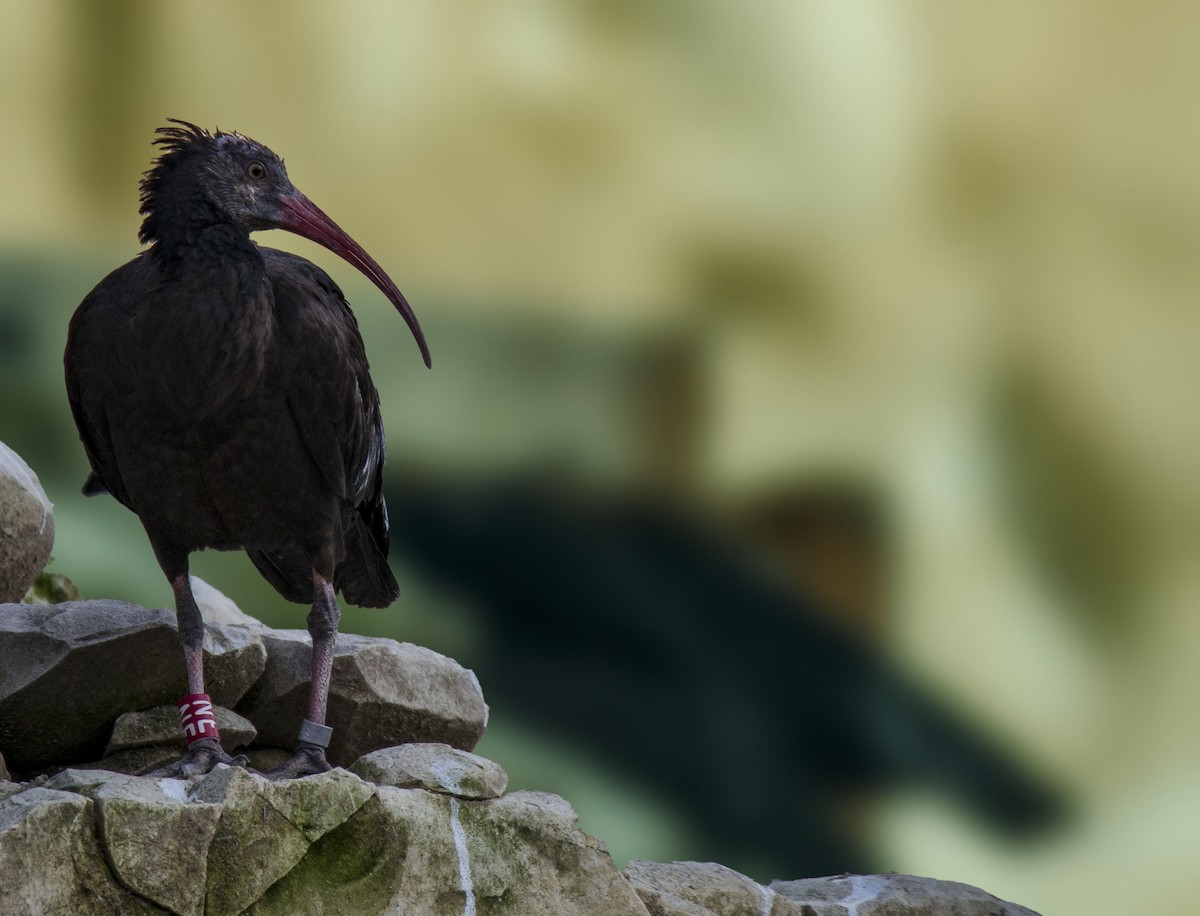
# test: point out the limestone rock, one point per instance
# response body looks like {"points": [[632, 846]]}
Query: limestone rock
{"points": [[51, 860], [382, 693], [426, 854], [81, 664], [4, 774], [267, 827], [704, 889], [26, 526], [157, 839], [893, 895], [234, 658], [708, 889], [212, 843], [528, 846], [160, 726], [92, 842], [265, 759], [152, 738], [83, 781], [216, 607], [436, 767], [137, 760], [233, 842]]}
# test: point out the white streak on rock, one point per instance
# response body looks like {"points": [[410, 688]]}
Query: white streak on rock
{"points": [[768, 901], [174, 788], [865, 888], [466, 885]]}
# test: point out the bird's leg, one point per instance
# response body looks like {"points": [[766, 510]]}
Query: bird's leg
{"points": [[199, 724], [314, 734]]}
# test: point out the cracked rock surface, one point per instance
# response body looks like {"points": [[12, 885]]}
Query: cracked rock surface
{"points": [[893, 895], [436, 767], [382, 693], [95, 842], [66, 674], [708, 889]]}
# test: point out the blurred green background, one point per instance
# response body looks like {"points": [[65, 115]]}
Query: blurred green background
{"points": [[771, 264]]}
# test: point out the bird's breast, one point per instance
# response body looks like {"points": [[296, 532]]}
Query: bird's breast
{"points": [[205, 356], [228, 481]]}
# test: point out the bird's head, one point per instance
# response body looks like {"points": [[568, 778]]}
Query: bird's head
{"points": [[228, 178]]}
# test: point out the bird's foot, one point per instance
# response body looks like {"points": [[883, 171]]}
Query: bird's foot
{"points": [[308, 761], [201, 757]]}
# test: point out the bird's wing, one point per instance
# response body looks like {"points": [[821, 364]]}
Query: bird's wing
{"points": [[93, 349], [331, 397]]}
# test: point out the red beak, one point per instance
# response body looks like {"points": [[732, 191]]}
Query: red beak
{"points": [[301, 216]]}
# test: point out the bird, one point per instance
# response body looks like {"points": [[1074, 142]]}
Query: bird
{"points": [[222, 393]]}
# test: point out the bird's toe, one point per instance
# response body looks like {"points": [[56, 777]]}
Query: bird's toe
{"points": [[308, 761], [200, 758]]}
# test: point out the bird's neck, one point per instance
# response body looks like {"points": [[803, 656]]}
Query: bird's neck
{"points": [[207, 247], [178, 226], [214, 317]]}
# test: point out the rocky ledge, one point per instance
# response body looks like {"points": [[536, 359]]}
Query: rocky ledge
{"points": [[96, 842], [93, 683], [417, 825]]}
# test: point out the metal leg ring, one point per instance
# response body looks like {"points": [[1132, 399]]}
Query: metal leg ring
{"points": [[312, 733]]}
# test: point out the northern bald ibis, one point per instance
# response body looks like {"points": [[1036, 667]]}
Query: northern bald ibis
{"points": [[222, 393]]}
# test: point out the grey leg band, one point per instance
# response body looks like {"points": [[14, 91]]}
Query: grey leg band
{"points": [[312, 733]]}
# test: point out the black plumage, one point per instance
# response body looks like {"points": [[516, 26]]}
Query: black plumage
{"points": [[222, 393]]}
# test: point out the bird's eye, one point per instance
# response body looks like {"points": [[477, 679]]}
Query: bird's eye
{"points": [[256, 170]]}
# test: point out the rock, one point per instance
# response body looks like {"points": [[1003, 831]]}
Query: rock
{"points": [[59, 664], [436, 767], [152, 738], [704, 889], [708, 889], [216, 607], [265, 759], [160, 726], [75, 779], [233, 842], [51, 860], [156, 839], [4, 774], [136, 761], [528, 845], [893, 895], [26, 526], [397, 847], [212, 843], [382, 693], [81, 664], [234, 658], [267, 827], [426, 854], [92, 842]]}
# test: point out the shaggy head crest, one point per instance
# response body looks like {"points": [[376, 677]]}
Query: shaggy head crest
{"points": [[180, 143]]}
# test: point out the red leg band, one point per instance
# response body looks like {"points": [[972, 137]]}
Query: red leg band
{"points": [[196, 717]]}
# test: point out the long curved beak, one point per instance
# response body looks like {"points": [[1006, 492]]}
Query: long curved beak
{"points": [[301, 216]]}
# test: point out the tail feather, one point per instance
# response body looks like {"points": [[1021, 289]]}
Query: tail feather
{"points": [[363, 577]]}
